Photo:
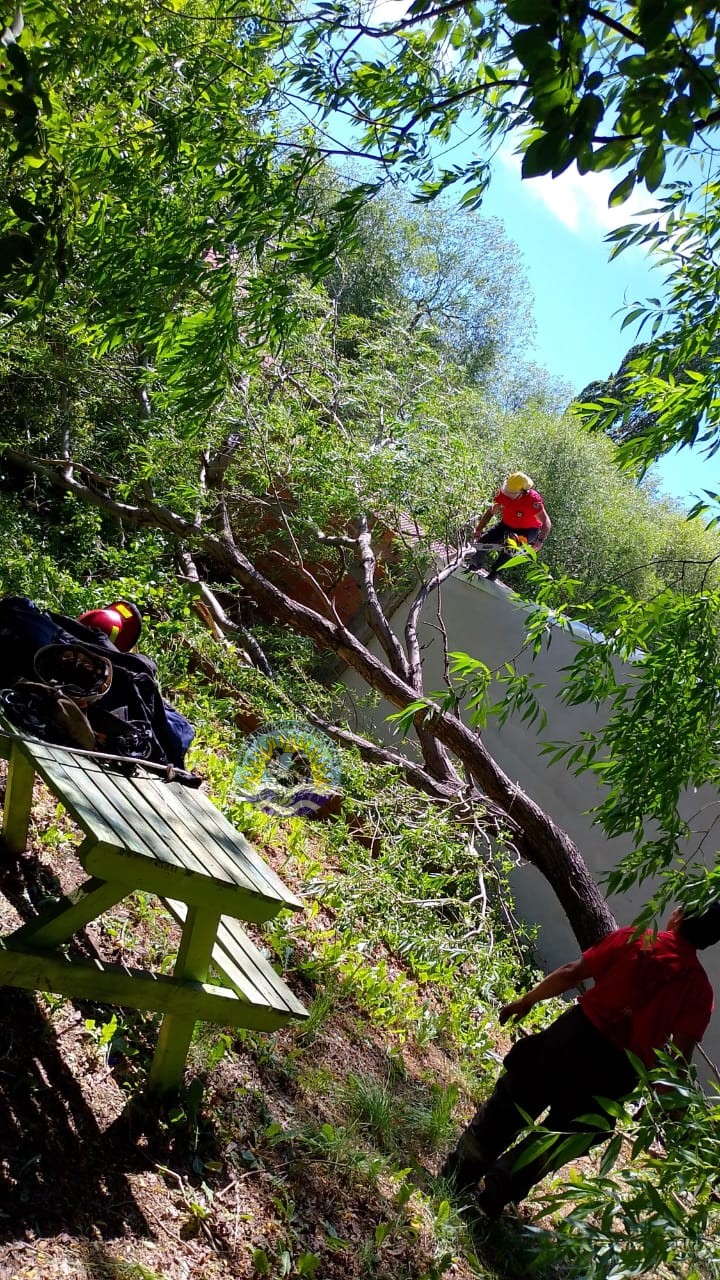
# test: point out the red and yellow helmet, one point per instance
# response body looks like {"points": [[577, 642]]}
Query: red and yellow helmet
{"points": [[121, 622]]}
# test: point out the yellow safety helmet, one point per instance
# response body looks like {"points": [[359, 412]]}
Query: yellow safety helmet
{"points": [[517, 482]]}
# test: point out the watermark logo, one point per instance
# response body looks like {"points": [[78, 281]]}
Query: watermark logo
{"points": [[288, 771]]}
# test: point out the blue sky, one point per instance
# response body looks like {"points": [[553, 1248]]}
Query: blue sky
{"points": [[560, 226]]}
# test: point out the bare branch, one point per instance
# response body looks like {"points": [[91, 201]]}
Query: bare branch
{"points": [[147, 516], [411, 625], [298, 565], [413, 772], [105, 482], [217, 463], [226, 525], [376, 614], [333, 539], [222, 623], [607, 21], [323, 409]]}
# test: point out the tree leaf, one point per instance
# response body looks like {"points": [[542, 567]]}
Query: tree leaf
{"points": [[620, 193]]}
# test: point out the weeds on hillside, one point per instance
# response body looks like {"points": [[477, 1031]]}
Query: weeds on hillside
{"points": [[410, 916], [328, 1133]]}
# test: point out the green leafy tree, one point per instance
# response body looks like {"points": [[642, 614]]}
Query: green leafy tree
{"points": [[630, 417], [456, 276], [630, 87], [149, 185], [306, 465], [607, 530], [464, 280]]}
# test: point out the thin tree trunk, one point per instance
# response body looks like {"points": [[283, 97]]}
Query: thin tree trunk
{"points": [[436, 758]]}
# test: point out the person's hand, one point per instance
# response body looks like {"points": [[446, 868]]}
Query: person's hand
{"points": [[515, 1010]]}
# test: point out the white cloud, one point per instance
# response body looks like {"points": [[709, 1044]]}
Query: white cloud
{"points": [[388, 11], [580, 201]]}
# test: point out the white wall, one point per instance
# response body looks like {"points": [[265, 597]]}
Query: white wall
{"points": [[482, 620]]}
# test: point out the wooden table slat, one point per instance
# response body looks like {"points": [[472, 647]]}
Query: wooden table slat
{"points": [[221, 837], [136, 989], [244, 956], [213, 845], [120, 814], [237, 957], [80, 781], [82, 808], [138, 828], [175, 812], [144, 801], [219, 824]]}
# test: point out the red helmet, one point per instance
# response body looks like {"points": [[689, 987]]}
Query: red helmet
{"points": [[121, 622]]}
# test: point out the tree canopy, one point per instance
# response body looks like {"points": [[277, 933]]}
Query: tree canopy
{"points": [[629, 87], [167, 228], [191, 137], [150, 190]]}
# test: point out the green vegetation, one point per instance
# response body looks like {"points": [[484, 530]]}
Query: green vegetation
{"points": [[229, 380], [628, 86], [406, 950]]}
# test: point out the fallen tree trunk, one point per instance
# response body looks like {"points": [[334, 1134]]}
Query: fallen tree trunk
{"points": [[538, 839]]}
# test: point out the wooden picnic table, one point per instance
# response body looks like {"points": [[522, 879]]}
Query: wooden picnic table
{"points": [[144, 833]]}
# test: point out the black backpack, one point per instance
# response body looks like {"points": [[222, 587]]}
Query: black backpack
{"points": [[127, 717]]}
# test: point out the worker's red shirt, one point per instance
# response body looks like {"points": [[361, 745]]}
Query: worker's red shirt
{"points": [[522, 511], [647, 989]]}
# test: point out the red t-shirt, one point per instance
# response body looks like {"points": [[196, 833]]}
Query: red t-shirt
{"points": [[647, 989], [522, 511]]}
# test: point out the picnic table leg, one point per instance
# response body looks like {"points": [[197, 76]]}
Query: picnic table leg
{"points": [[18, 801], [58, 921], [192, 964]]}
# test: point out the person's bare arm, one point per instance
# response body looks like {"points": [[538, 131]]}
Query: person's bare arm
{"points": [[545, 527], [555, 984], [485, 517]]}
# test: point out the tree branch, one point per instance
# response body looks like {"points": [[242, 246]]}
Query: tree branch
{"points": [[411, 636], [411, 770], [226, 626], [218, 462], [606, 21], [542, 842], [376, 614], [332, 539]]}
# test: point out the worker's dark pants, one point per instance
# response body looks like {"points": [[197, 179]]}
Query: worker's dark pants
{"points": [[564, 1068], [497, 536]]}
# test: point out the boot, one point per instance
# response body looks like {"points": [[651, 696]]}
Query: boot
{"points": [[462, 1180], [475, 560], [495, 1195], [464, 1167]]}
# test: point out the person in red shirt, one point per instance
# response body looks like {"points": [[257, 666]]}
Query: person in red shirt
{"points": [[650, 990], [523, 518]]}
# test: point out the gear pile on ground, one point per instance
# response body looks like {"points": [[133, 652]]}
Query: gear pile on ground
{"points": [[67, 683]]}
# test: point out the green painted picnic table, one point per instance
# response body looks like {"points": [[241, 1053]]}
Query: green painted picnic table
{"points": [[144, 833]]}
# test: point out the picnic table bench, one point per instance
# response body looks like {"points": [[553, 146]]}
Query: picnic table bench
{"points": [[144, 833]]}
